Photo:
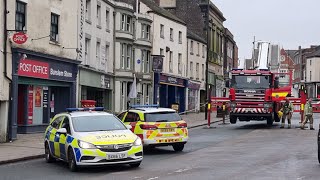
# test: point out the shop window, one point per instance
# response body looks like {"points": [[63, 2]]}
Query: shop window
{"points": [[96, 95]]}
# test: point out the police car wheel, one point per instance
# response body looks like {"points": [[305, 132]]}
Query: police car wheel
{"points": [[48, 156], [71, 161], [135, 165], [178, 147]]}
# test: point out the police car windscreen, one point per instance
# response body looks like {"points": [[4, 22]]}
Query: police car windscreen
{"points": [[97, 123], [162, 117]]}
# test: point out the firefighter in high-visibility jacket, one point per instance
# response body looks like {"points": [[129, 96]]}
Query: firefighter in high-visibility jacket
{"points": [[308, 115], [287, 110]]}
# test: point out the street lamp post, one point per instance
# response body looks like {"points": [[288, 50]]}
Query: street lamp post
{"points": [[204, 6]]}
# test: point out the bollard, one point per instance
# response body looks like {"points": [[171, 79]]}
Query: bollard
{"points": [[209, 114]]}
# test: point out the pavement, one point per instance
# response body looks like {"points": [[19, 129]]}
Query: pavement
{"points": [[30, 146], [242, 151]]}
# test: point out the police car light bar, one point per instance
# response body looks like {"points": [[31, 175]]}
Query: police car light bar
{"points": [[145, 106], [85, 109]]}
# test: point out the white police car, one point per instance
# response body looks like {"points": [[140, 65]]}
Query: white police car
{"points": [[89, 136]]}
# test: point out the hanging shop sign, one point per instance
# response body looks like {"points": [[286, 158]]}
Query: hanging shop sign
{"points": [[19, 38]]}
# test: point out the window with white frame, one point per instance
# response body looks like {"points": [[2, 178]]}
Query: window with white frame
{"points": [[161, 30], [126, 22], [203, 71], [191, 69], [107, 19], [198, 45], [171, 34], [126, 56], [197, 71], [98, 47], [54, 29], [203, 51], [170, 62], [191, 47], [145, 31], [20, 15], [106, 58], [98, 15], [87, 51], [180, 37], [129, 54], [180, 63], [88, 10]]}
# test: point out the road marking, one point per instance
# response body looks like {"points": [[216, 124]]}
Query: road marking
{"points": [[300, 178], [153, 178], [181, 170]]}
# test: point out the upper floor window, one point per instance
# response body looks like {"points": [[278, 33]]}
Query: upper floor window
{"points": [[145, 31], [171, 34], [191, 47], [203, 71], [20, 16], [88, 10], [145, 61], [180, 37], [107, 19], [98, 15], [170, 62], [54, 30], [197, 71], [191, 69], [126, 56], [98, 46], [198, 54], [126, 22], [87, 51], [180, 63], [161, 30], [310, 62], [203, 50]]}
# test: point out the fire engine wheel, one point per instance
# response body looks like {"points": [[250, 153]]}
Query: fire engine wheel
{"points": [[269, 121], [233, 119]]}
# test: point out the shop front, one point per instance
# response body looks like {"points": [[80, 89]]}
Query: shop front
{"points": [[96, 86], [42, 87], [170, 91], [193, 96]]}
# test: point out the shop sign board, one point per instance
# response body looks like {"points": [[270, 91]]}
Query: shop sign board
{"points": [[46, 70], [192, 85], [171, 80]]}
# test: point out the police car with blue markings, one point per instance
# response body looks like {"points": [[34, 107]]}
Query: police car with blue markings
{"points": [[89, 136]]}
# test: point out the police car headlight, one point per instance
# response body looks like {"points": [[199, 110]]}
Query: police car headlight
{"points": [[85, 145], [137, 142]]}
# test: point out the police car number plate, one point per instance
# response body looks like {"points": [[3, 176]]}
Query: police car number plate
{"points": [[167, 130], [117, 156]]}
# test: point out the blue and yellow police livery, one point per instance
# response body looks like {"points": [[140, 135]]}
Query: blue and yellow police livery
{"points": [[87, 136]]}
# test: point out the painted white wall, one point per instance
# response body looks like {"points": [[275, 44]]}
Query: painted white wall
{"points": [[162, 43], [97, 32], [313, 65], [38, 25]]}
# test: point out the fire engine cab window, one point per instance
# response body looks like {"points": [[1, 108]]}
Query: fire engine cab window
{"points": [[162, 117], [250, 82]]}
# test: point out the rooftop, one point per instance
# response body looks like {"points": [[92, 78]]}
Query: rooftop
{"points": [[194, 36], [161, 11]]}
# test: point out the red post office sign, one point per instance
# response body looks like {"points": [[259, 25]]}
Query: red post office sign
{"points": [[19, 38]]}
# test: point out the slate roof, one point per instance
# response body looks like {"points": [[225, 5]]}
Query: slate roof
{"points": [[194, 36], [315, 54], [160, 11]]}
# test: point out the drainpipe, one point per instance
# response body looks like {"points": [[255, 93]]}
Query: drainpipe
{"points": [[5, 72]]}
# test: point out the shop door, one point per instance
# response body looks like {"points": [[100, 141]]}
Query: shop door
{"points": [[171, 95], [163, 96], [59, 100]]}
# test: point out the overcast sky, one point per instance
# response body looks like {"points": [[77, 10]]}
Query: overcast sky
{"points": [[289, 23]]}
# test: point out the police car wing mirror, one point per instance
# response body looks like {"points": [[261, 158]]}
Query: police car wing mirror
{"points": [[62, 131], [129, 126]]}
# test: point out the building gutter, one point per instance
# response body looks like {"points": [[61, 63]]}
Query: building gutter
{"points": [[5, 43]]}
